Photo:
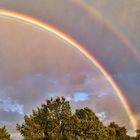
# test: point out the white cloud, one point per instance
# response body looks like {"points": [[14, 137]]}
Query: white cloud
{"points": [[101, 115], [69, 98], [8, 105], [16, 136]]}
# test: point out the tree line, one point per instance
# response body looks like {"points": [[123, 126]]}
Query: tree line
{"points": [[54, 120]]}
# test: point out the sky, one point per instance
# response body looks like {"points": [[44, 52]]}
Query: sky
{"points": [[122, 14], [38, 65], [98, 37], [29, 65]]}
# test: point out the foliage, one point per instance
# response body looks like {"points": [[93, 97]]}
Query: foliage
{"points": [[88, 125], [4, 135], [51, 121], [138, 134], [55, 121], [117, 132]]}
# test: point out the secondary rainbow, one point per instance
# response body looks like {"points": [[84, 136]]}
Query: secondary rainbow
{"points": [[45, 26], [109, 25]]}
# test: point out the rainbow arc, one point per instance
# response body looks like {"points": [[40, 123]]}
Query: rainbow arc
{"points": [[76, 45]]}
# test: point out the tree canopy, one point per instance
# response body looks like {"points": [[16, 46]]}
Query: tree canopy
{"points": [[4, 135], [54, 120]]}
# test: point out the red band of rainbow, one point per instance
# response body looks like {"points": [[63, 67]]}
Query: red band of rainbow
{"points": [[76, 45]]}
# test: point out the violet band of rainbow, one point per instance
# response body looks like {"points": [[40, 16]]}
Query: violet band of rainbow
{"points": [[98, 16], [81, 49]]}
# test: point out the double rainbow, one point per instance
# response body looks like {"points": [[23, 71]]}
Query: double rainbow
{"points": [[94, 13], [79, 47]]}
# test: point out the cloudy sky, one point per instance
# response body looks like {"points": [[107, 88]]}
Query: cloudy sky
{"points": [[112, 44], [35, 64]]}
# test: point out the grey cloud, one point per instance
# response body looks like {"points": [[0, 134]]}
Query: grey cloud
{"points": [[10, 116]]}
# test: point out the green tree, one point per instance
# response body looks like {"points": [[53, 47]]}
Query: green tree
{"points": [[138, 134], [4, 135], [89, 126], [117, 132], [55, 121], [51, 121]]}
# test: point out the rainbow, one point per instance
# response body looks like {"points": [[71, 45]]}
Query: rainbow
{"points": [[49, 28], [110, 26]]}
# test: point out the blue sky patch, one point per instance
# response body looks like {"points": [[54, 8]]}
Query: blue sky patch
{"points": [[80, 96]]}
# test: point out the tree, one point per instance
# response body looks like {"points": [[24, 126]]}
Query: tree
{"points": [[117, 132], [51, 121], [55, 121], [89, 126], [4, 135], [138, 134]]}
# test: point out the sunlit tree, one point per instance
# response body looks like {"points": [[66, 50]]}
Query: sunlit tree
{"points": [[117, 132], [54, 120], [138, 134], [51, 121], [89, 126], [4, 135]]}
